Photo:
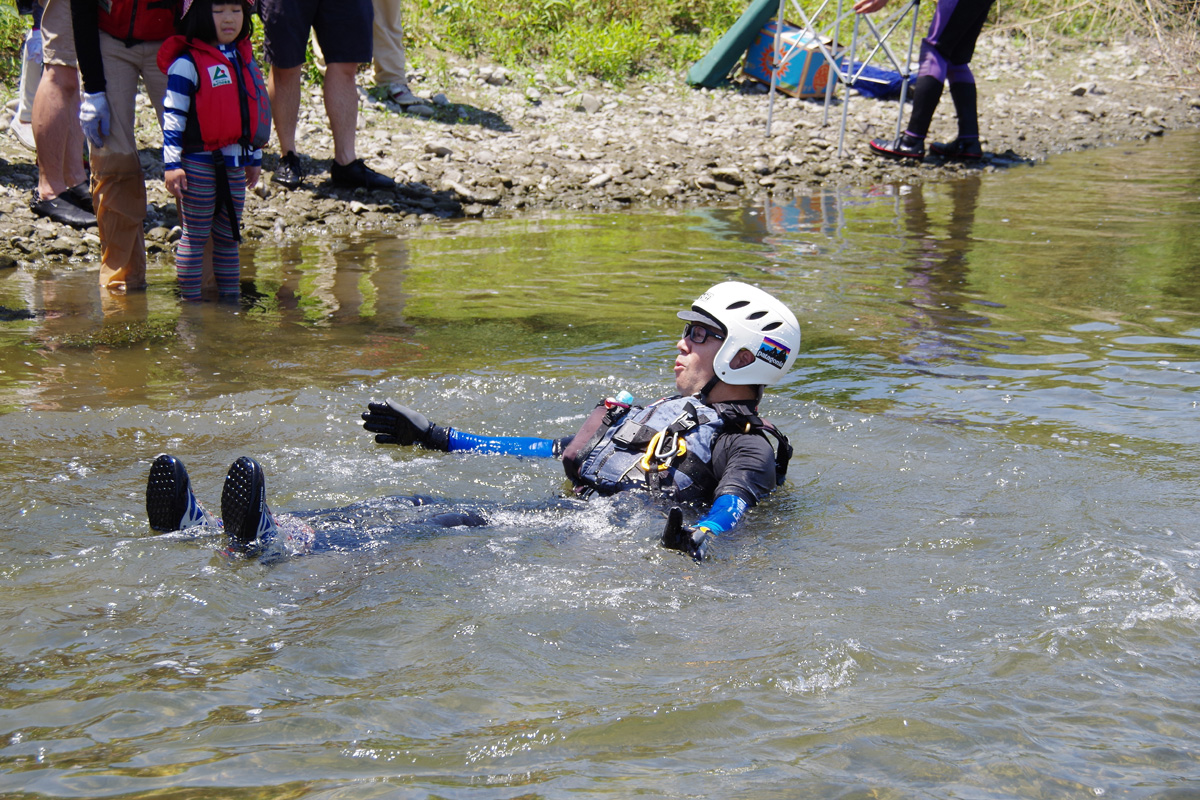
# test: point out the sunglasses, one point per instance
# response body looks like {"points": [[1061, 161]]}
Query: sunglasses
{"points": [[699, 334]]}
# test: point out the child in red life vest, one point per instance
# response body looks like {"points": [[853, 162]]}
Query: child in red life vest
{"points": [[217, 117]]}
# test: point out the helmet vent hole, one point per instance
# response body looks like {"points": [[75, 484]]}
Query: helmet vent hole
{"points": [[737, 305], [770, 326], [757, 315]]}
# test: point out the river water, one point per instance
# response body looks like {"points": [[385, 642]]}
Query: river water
{"points": [[980, 580]]}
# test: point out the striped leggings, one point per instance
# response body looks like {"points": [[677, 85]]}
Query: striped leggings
{"points": [[203, 215]]}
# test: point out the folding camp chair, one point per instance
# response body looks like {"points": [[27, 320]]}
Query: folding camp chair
{"points": [[843, 67]]}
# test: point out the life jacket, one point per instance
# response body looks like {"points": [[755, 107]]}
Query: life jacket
{"points": [[230, 105], [665, 447], [134, 21]]}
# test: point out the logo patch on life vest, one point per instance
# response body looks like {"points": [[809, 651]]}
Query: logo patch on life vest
{"points": [[773, 353], [218, 76]]}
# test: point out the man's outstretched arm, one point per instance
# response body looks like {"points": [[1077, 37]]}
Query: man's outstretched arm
{"points": [[393, 423]]}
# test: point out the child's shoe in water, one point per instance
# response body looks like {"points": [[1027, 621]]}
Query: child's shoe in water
{"points": [[170, 504], [244, 506], [904, 147], [965, 149]]}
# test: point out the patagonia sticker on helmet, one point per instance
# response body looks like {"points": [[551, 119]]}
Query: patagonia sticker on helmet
{"points": [[773, 352]]}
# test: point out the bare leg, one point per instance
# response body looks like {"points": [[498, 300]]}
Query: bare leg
{"points": [[341, 106], [56, 131], [283, 87]]}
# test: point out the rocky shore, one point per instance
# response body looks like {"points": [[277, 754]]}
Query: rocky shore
{"points": [[491, 142]]}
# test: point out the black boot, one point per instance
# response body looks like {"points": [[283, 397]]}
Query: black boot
{"points": [[966, 146], [960, 149], [926, 96], [966, 109], [904, 147], [911, 144]]}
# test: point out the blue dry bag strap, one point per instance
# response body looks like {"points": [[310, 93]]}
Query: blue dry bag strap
{"points": [[501, 445], [726, 512]]}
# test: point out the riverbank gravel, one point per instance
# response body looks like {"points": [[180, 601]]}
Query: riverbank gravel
{"points": [[492, 142]]}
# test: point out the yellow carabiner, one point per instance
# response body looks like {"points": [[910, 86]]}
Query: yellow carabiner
{"points": [[645, 462], [664, 456]]}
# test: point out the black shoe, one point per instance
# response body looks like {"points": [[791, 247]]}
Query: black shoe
{"points": [[170, 503], [288, 172], [904, 147], [64, 212], [966, 149], [357, 174], [80, 196], [244, 510]]}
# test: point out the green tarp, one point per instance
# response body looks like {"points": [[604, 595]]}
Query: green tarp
{"points": [[712, 69]]}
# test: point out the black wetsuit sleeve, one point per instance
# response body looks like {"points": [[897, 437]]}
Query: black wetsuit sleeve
{"points": [[744, 465], [85, 23]]}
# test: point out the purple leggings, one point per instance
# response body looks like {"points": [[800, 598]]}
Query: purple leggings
{"points": [[947, 49]]}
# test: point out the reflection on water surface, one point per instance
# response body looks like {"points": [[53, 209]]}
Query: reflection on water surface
{"points": [[980, 579]]}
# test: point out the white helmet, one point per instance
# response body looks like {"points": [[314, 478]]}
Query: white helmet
{"points": [[752, 320]]}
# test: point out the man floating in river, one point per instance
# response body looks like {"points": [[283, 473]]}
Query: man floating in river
{"points": [[705, 445]]}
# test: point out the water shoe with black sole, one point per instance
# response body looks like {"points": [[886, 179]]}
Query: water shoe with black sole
{"points": [[170, 503], [244, 510]]}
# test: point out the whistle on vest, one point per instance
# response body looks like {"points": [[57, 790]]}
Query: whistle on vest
{"points": [[623, 401]]}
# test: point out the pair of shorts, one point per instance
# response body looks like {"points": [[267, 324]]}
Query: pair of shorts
{"points": [[58, 38], [343, 29]]}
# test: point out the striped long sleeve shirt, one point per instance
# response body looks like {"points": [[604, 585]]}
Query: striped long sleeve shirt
{"points": [[182, 80]]}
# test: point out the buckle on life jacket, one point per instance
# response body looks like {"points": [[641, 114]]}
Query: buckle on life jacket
{"points": [[662, 451], [669, 444]]}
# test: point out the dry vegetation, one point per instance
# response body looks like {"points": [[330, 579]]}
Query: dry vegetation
{"points": [[1173, 24]]}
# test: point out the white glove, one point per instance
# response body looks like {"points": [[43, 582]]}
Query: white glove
{"points": [[33, 45], [94, 117]]}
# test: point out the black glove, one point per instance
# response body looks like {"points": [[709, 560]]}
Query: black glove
{"points": [[677, 536], [393, 423]]}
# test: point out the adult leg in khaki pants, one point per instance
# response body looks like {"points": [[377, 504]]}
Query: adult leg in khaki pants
{"points": [[118, 185], [388, 44]]}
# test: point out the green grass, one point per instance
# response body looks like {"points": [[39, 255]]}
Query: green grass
{"points": [[613, 40], [616, 40], [13, 28]]}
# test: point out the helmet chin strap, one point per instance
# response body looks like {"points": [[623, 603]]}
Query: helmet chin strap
{"points": [[708, 387], [712, 384]]}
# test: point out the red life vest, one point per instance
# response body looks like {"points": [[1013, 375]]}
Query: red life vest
{"points": [[230, 106], [134, 21]]}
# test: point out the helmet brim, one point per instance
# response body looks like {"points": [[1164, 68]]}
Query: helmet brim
{"points": [[696, 315]]}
